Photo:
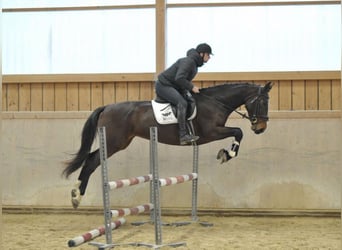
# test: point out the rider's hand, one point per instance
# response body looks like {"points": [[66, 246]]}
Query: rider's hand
{"points": [[195, 90]]}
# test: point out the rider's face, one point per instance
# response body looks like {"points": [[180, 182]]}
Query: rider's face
{"points": [[206, 57]]}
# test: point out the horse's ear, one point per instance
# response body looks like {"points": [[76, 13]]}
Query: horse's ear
{"points": [[268, 86]]}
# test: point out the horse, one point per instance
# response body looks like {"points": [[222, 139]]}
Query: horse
{"points": [[125, 120]]}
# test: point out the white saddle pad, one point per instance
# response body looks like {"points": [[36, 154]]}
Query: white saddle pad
{"points": [[164, 114]]}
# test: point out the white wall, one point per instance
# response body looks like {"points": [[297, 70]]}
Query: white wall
{"points": [[295, 164]]}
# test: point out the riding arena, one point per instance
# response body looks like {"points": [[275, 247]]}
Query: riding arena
{"points": [[86, 164]]}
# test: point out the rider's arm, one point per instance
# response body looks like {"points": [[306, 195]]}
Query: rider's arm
{"points": [[186, 70]]}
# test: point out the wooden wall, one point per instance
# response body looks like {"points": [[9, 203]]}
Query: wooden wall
{"points": [[81, 96], [293, 91]]}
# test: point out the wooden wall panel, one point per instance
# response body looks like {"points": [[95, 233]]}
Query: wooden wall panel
{"points": [[121, 91], [84, 97], [108, 93], [24, 98], [60, 97], [72, 97], [96, 95], [48, 96], [298, 95], [133, 91], [4, 97], [274, 96], [36, 97], [311, 95], [324, 95], [147, 91], [285, 96], [13, 97], [335, 94]]}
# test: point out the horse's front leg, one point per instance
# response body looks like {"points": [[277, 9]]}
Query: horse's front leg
{"points": [[225, 155]]}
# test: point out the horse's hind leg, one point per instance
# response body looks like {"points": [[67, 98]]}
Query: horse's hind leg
{"points": [[90, 165]]}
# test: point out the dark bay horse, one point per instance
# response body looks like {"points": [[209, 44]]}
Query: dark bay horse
{"points": [[124, 121]]}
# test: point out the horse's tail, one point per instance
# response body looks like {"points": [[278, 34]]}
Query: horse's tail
{"points": [[88, 136]]}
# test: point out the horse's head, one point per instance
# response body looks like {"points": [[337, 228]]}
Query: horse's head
{"points": [[257, 108]]}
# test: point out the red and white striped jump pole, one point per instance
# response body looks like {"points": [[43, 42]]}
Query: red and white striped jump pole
{"points": [[177, 179], [129, 182], [94, 233], [142, 179], [132, 211]]}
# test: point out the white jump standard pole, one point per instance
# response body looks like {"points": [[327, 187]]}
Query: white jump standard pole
{"points": [[194, 183], [156, 194], [105, 191], [106, 202], [195, 188], [153, 206]]}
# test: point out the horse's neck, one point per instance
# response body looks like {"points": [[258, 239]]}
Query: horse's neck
{"points": [[232, 96], [237, 95]]}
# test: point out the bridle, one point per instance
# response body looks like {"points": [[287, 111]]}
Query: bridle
{"points": [[257, 108], [256, 111]]}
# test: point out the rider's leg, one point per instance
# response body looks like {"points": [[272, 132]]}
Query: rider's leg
{"points": [[184, 137], [171, 95]]}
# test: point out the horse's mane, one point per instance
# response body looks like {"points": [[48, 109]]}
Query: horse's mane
{"points": [[229, 85]]}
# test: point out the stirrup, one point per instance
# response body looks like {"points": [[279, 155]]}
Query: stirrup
{"points": [[188, 139]]}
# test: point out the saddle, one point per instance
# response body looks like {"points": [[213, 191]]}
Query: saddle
{"points": [[165, 113]]}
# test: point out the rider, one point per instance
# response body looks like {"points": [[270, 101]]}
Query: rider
{"points": [[175, 82]]}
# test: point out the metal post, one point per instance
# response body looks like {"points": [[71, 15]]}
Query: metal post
{"points": [[152, 160], [105, 185], [194, 182], [154, 194], [155, 185], [195, 188]]}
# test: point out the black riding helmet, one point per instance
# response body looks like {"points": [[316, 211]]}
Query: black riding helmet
{"points": [[204, 48]]}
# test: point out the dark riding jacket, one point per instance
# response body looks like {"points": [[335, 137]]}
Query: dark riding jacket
{"points": [[180, 74]]}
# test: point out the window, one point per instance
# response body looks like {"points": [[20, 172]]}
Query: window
{"points": [[106, 41], [122, 40], [70, 3], [259, 38]]}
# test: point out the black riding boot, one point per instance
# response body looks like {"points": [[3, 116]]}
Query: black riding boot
{"points": [[184, 137]]}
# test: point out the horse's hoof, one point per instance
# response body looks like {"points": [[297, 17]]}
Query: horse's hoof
{"points": [[75, 198], [75, 203], [223, 156]]}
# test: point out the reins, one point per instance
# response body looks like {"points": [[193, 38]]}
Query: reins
{"points": [[226, 106], [256, 109]]}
